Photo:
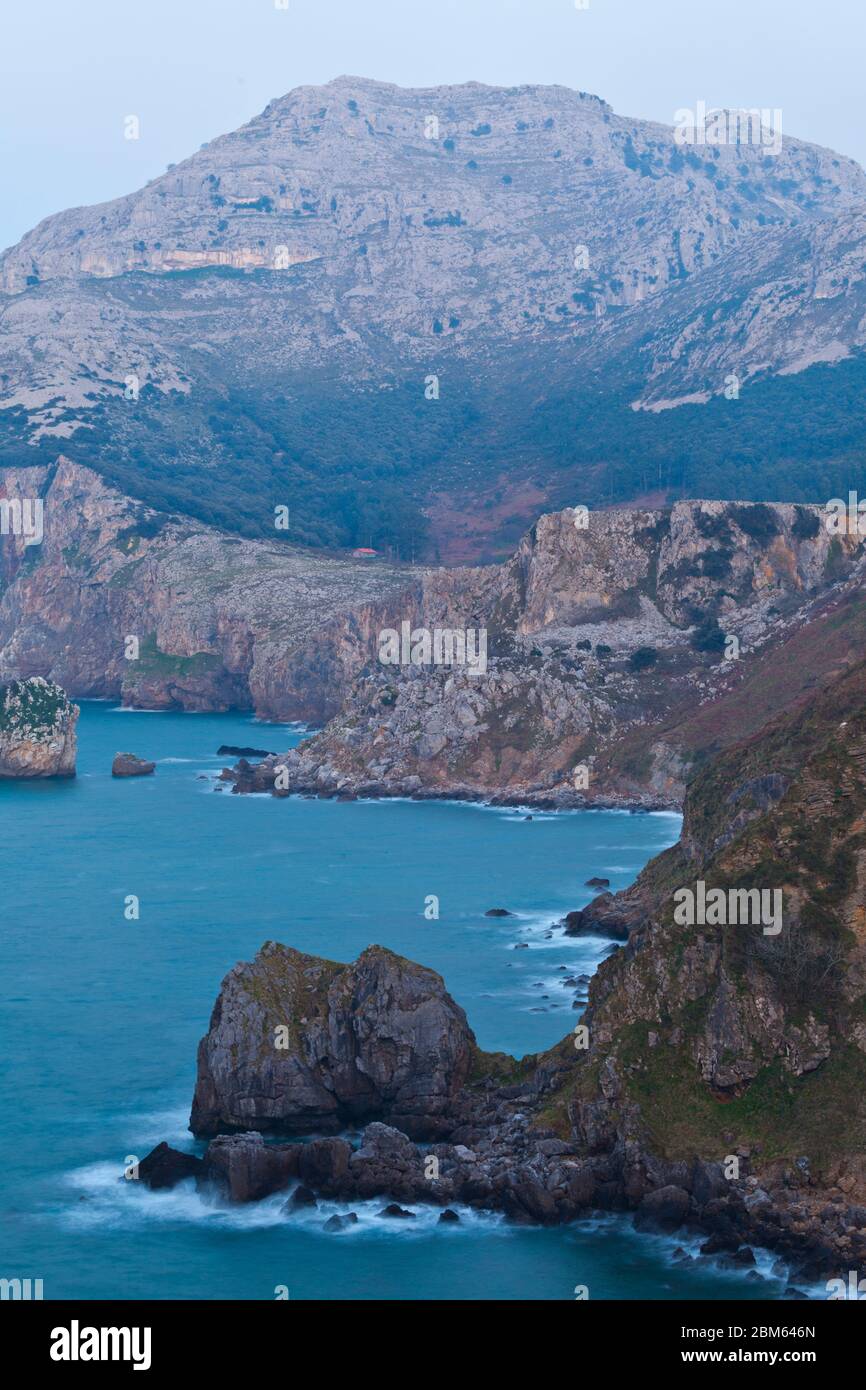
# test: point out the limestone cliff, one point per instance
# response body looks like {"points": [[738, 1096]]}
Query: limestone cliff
{"points": [[620, 653], [120, 600], [37, 730], [606, 677]]}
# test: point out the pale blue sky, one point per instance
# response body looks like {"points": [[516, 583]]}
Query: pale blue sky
{"points": [[70, 70]]}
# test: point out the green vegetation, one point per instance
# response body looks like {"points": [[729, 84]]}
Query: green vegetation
{"points": [[31, 706], [358, 465], [643, 658], [152, 661]]}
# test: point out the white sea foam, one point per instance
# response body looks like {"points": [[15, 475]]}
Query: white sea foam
{"points": [[112, 1201]]}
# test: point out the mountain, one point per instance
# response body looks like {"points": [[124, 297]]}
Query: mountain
{"points": [[260, 324]]}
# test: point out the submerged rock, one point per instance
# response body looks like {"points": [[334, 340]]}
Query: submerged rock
{"points": [[341, 1223], [302, 1197], [37, 730], [128, 765], [228, 749]]}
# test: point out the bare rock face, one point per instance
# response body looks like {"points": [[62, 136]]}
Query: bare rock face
{"points": [[37, 730], [565, 713], [337, 224], [220, 623], [245, 1168], [128, 765], [297, 1044]]}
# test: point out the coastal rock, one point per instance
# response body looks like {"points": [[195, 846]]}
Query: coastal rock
{"points": [[297, 1043], [607, 915], [700, 1014], [128, 765], [667, 1207], [230, 750], [564, 717], [37, 730], [244, 1168], [166, 1167]]}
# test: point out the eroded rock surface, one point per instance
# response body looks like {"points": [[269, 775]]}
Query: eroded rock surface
{"points": [[37, 730], [297, 1043], [129, 765]]}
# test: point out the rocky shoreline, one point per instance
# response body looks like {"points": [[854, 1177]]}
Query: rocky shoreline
{"points": [[381, 1046], [284, 776]]}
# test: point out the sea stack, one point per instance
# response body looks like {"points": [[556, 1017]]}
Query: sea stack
{"points": [[298, 1045], [37, 730]]}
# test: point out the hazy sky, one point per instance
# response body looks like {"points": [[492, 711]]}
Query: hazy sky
{"points": [[71, 70]]}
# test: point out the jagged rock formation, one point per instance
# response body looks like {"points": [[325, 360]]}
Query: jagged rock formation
{"points": [[604, 643], [223, 623], [297, 1044], [37, 730]]}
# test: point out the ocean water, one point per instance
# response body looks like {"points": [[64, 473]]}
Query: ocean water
{"points": [[100, 1016]]}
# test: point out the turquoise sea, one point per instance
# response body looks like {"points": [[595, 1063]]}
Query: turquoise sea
{"points": [[100, 1016]]}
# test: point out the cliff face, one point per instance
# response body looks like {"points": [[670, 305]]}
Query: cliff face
{"points": [[605, 675], [748, 1038], [219, 622], [37, 730], [619, 654]]}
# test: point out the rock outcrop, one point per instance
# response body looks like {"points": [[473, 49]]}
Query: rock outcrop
{"points": [[165, 613], [37, 730], [606, 682], [621, 651], [298, 1044], [128, 765]]}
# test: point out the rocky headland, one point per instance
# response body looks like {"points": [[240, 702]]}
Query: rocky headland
{"points": [[37, 730], [715, 1081], [621, 654]]}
